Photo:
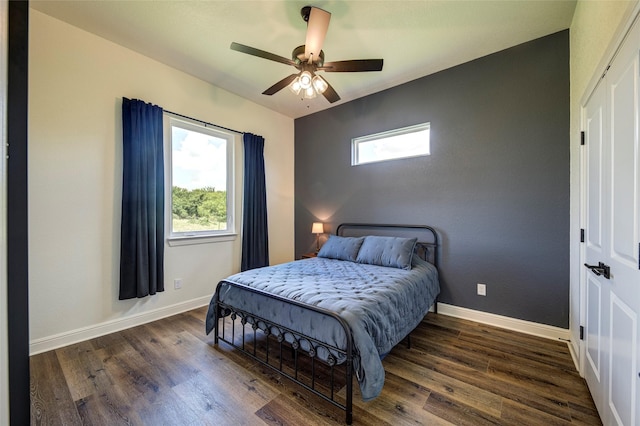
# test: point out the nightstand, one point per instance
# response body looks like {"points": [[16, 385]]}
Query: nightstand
{"points": [[309, 255]]}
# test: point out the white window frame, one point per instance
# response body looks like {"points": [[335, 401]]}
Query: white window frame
{"points": [[199, 237], [361, 140]]}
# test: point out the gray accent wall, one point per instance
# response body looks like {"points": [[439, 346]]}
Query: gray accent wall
{"points": [[496, 185]]}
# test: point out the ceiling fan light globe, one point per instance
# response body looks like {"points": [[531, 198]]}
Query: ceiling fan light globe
{"points": [[305, 79], [295, 86], [319, 84], [309, 93]]}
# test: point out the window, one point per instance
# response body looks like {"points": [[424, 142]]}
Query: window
{"points": [[201, 181], [407, 142]]}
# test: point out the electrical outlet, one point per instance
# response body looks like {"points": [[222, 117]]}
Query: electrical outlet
{"points": [[482, 289], [177, 283]]}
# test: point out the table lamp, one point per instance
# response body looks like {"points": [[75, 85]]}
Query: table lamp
{"points": [[317, 228]]}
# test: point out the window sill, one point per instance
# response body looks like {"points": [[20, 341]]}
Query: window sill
{"points": [[188, 240]]}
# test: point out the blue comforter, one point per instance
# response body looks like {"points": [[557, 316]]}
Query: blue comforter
{"points": [[381, 305]]}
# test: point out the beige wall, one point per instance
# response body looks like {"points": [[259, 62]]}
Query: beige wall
{"points": [[594, 28], [76, 83]]}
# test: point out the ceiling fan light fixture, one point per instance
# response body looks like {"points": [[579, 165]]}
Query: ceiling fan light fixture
{"points": [[319, 84], [305, 79], [309, 58]]}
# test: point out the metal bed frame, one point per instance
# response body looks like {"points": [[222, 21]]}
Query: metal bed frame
{"points": [[300, 344]]}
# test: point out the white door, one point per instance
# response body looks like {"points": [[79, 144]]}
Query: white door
{"points": [[612, 252]]}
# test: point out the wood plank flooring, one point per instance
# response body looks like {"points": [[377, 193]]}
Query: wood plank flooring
{"points": [[169, 372]]}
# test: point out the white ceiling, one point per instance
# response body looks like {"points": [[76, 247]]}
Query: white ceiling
{"points": [[415, 38]]}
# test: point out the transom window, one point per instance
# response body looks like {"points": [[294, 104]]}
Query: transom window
{"points": [[201, 181], [412, 141]]}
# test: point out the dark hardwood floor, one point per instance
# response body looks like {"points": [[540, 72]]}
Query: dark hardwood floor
{"points": [[169, 373]]}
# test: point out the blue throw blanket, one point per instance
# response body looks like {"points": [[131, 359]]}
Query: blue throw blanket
{"points": [[381, 305]]}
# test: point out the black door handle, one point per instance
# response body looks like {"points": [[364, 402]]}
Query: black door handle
{"points": [[600, 269]]}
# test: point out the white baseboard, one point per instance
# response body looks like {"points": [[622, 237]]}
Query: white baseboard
{"points": [[85, 333], [575, 357], [522, 326]]}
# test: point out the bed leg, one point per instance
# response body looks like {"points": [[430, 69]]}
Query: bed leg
{"points": [[216, 325], [349, 406], [349, 402]]}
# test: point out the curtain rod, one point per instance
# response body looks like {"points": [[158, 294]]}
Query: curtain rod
{"points": [[203, 122]]}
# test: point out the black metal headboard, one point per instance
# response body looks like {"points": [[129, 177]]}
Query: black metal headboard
{"points": [[426, 247]]}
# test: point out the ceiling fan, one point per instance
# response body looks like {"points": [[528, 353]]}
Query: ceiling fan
{"points": [[309, 58]]}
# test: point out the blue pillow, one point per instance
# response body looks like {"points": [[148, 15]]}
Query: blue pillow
{"points": [[341, 248], [394, 252]]}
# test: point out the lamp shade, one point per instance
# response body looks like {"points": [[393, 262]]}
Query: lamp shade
{"points": [[317, 228]]}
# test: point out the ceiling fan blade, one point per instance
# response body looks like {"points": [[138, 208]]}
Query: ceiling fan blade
{"points": [[260, 53], [355, 65], [280, 85], [317, 27], [330, 93]]}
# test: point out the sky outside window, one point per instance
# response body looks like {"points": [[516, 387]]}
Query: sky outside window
{"points": [[199, 160]]}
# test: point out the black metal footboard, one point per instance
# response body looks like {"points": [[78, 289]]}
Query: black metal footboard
{"points": [[285, 340]]}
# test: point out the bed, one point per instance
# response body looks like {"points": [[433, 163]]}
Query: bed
{"points": [[320, 321]]}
